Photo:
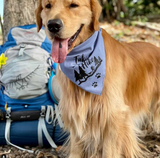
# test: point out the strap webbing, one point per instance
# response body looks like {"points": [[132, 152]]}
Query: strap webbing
{"points": [[7, 132], [49, 114], [40, 136], [44, 129], [41, 127], [58, 116], [21, 51]]}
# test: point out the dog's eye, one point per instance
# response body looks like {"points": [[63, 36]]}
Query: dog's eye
{"points": [[48, 6], [73, 5]]}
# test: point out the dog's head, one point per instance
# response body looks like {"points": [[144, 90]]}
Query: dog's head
{"points": [[67, 23]]}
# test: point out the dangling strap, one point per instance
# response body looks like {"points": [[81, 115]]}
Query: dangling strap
{"points": [[40, 135], [44, 129], [49, 114], [58, 116], [7, 131], [53, 115]]}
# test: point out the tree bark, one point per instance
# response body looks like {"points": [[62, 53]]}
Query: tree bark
{"points": [[18, 12], [120, 7], [107, 12], [117, 7], [101, 2], [1, 25]]}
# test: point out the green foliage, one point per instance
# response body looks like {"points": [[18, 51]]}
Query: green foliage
{"points": [[135, 10], [142, 9]]}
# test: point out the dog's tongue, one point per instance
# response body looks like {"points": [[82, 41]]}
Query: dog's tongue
{"points": [[59, 50]]}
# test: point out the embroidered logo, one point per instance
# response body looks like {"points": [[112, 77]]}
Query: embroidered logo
{"points": [[29, 34]]}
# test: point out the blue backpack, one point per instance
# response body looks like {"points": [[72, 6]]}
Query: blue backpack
{"points": [[29, 113]]}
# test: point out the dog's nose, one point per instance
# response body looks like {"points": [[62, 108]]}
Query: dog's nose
{"points": [[55, 25]]}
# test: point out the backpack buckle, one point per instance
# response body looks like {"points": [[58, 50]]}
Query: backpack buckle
{"points": [[43, 111], [8, 113]]}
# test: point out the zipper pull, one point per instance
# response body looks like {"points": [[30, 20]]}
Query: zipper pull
{"points": [[21, 51]]}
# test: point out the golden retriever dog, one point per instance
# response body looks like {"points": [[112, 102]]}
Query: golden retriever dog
{"points": [[104, 125]]}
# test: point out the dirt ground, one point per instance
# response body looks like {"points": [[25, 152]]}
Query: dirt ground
{"points": [[152, 142], [123, 33]]}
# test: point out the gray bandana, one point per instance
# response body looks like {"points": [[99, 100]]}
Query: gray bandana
{"points": [[85, 64]]}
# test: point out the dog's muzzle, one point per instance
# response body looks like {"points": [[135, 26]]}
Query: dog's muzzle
{"points": [[54, 26]]}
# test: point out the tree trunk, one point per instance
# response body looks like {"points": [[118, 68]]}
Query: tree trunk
{"points": [[1, 25], [101, 2], [107, 12], [120, 7], [114, 12], [18, 12]]}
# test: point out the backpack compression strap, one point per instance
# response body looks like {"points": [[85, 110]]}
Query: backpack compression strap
{"points": [[7, 131], [42, 128]]}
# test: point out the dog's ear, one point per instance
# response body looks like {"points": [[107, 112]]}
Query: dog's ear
{"points": [[96, 12], [38, 16]]}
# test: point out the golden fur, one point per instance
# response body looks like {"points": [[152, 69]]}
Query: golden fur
{"points": [[106, 126]]}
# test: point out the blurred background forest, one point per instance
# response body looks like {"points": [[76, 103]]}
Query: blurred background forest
{"points": [[129, 10], [132, 20]]}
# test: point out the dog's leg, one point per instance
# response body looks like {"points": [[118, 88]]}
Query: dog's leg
{"points": [[155, 115], [121, 141], [75, 148]]}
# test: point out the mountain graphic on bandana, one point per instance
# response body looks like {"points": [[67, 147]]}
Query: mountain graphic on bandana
{"points": [[87, 69]]}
